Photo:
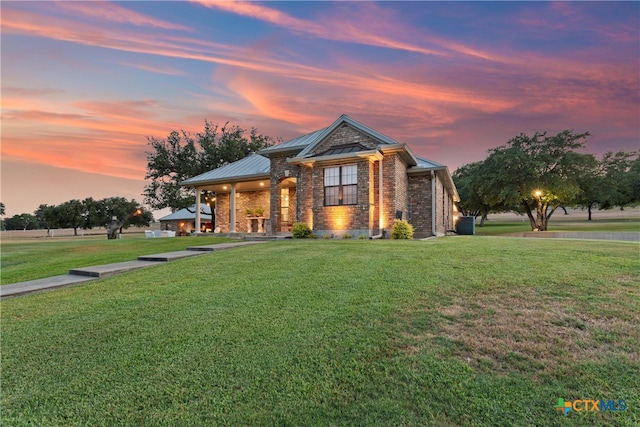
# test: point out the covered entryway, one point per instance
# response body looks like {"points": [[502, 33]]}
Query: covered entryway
{"points": [[286, 204]]}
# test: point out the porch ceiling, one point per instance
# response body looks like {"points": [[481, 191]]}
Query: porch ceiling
{"points": [[254, 185]]}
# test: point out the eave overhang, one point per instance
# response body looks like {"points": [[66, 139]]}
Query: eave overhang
{"points": [[336, 158], [229, 180], [402, 150]]}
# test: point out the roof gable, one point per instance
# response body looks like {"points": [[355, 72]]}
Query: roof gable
{"points": [[370, 136]]}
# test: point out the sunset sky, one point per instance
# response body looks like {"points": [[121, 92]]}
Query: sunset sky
{"points": [[85, 82]]}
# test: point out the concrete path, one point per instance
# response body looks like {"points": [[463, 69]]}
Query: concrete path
{"points": [[85, 274]]}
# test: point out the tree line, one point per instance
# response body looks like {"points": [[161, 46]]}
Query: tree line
{"points": [[535, 175], [81, 214]]}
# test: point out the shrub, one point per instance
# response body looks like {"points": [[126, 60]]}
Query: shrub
{"points": [[401, 230], [347, 236], [362, 237], [300, 230], [327, 236]]}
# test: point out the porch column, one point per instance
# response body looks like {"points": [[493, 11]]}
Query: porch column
{"points": [[232, 209], [197, 210]]}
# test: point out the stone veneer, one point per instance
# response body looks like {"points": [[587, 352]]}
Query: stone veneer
{"points": [[244, 200]]}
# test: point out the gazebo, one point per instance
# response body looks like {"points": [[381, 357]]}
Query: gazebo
{"points": [[184, 221]]}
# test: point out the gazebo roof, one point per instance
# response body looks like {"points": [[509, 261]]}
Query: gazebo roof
{"points": [[189, 213]]}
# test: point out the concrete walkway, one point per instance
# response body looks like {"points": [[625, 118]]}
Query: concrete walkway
{"points": [[85, 274]]}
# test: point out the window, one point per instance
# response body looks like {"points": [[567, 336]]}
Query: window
{"points": [[341, 185]]}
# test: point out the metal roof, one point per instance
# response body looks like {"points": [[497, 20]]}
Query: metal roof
{"points": [[251, 166], [296, 143], [344, 148], [427, 164], [189, 213]]}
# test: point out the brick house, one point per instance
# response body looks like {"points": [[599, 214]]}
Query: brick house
{"points": [[346, 178]]}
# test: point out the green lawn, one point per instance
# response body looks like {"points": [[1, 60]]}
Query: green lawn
{"points": [[495, 228], [454, 331], [24, 260]]}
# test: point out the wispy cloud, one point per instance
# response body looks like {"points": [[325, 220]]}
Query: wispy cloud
{"points": [[360, 31], [111, 12], [167, 70]]}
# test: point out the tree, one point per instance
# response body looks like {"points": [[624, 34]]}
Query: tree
{"points": [[116, 213], [632, 182], [608, 182], [539, 173], [23, 221], [619, 179], [181, 156], [2, 213], [468, 179], [48, 216], [115, 226], [72, 214]]}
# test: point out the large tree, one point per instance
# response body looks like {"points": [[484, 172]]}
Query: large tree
{"points": [[608, 182], [48, 216], [116, 213], [72, 214], [183, 155], [469, 179], [539, 173]]}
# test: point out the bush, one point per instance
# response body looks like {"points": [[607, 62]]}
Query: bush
{"points": [[401, 230], [300, 230], [347, 236]]}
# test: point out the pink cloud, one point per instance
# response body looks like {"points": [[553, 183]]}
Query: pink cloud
{"points": [[107, 11], [330, 29]]}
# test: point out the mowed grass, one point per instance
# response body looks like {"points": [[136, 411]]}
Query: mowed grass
{"points": [[23, 260], [496, 228], [456, 331]]}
